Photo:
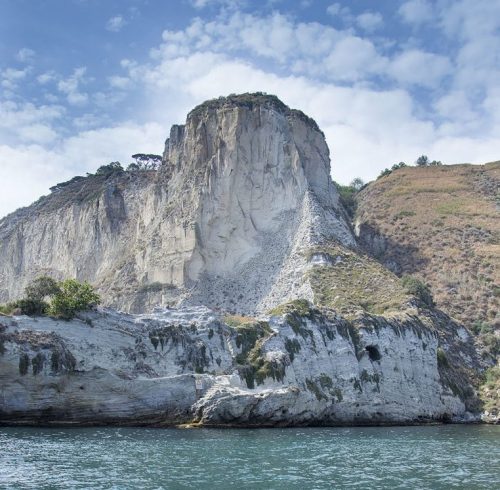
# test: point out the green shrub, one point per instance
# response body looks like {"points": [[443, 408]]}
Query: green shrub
{"points": [[384, 172], [418, 288], [480, 327], [8, 309], [73, 297], [442, 360], [32, 307], [347, 195], [41, 288]]}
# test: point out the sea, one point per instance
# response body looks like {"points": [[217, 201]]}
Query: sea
{"points": [[417, 457]]}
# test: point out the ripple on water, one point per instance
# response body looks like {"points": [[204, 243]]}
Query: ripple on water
{"points": [[437, 457]]}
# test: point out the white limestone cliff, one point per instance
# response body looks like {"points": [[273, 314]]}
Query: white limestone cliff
{"points": [[244, 189], [189, 366]]}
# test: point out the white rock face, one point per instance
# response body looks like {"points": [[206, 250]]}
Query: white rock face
{"points": [[188, 366], [244, 191]]}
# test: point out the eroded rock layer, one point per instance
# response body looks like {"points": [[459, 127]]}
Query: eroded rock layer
{"points": [[297, 367], [243, 191]]}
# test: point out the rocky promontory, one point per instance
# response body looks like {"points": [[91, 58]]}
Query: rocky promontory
{"points": [[235, 293]]}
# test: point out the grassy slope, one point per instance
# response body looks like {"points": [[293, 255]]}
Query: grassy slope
{"points": [[442, 224]]}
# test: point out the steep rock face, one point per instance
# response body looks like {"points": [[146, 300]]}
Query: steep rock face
{"points": [[191, 366], [243, 191]]}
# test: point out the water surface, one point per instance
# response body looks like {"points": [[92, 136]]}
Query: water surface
{"points": [[432, 457]]}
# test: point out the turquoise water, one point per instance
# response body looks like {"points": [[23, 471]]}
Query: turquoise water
{"points": [[433, 457]]}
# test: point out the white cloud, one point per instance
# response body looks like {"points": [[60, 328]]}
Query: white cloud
{"points": [[27, 123], [116, 23], [46, 77], [416, 11], [119, 82], [25, 55], [370, 21], [420, 68], [353, 58], [70, 87], [231, 4], [10, 77], [337, 10], [38, 167]]}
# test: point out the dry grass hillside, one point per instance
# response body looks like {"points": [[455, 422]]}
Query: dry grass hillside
{"points": [[441, 224]]}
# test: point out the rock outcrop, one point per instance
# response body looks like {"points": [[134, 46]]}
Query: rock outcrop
{"points": [[192, 366], [240, 218], [244, 190]]}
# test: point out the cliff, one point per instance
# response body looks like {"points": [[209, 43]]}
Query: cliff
{"points": [[299, 366], [207, 252], [244, 190]]}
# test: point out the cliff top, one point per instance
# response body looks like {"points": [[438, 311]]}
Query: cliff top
{"points": [[251, 101]]}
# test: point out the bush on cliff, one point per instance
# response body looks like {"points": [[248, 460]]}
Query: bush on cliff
{"points": [[418, 288], [45, 296], [72, 297]]}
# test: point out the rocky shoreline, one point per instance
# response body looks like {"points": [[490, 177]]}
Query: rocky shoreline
{"points": [[195, 367]]}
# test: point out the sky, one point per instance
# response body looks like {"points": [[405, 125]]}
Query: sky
{"points": [[87, 82]]}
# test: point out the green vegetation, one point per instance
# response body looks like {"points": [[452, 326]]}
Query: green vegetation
{"points": [[347, 195], [451, 207], [109, 169], [63, 299], [300, 307], [388, 171], [418, 288], [144, 162], [423, 161], [296, 311], [251, 362], [442, 360], [490, 390], [352, 281], [404, 214], [72, 298]]}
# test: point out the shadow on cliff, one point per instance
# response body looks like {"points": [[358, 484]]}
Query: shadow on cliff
{"points": [[400, 258]]}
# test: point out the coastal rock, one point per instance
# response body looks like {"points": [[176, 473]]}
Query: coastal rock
{"points": [[192, 366]]}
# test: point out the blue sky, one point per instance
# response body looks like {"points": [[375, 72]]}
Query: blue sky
{"points": [[86, 82]]}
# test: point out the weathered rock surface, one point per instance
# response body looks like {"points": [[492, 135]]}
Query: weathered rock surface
{"points": [[242, 216], [190, 366], [243, 191]]}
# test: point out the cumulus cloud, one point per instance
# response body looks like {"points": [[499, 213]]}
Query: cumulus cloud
{"points": [[365, 92], [232, 4], [46, 77], [420, 68], [116, 23], [10, 77]]}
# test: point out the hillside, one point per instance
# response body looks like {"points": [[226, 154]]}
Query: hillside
{"points": [[442, 224]]}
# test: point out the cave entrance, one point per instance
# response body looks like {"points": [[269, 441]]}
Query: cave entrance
{"points": [[373, 353]]}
